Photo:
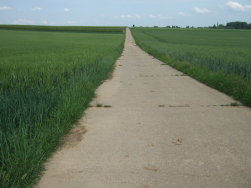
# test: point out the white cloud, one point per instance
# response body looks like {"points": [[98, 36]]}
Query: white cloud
{"points": [[66, 10], [5, 8], [129, 16], [160, 16], [183, 14], [23, 21], [126, 16], [71, 22], [102, 15], [237, 6], [37, 8], [152, 16], [201, 11], [165, 17], [47, 23]]}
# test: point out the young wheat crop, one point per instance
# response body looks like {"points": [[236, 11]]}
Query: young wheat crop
{"points": [[65, 28], [219, 58], [47, 79]]}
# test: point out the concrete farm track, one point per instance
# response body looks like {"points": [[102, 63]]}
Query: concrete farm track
{"points": [[162, 130]]}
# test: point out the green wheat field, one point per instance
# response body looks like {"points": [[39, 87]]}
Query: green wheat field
{"points": [[219, 58], [47, 80], [49, 74]]}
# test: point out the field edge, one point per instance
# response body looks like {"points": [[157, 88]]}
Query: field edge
{"points": [[233, 85]]}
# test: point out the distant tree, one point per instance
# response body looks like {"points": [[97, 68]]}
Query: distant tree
{"points": [[237, 25], [155, 26], [173, 26], [187, 26], [133, 25], [168, 26], [249, 26], [214, 26], [221, 26]]}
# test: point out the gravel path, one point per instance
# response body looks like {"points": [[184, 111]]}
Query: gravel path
{"points": [[162, 130]]}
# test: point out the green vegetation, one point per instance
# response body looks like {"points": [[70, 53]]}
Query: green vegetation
{"points": [[99, 105], [232, 25], [218, 58], [47, 80], [65, 28], [237, 25], [107, 106]]}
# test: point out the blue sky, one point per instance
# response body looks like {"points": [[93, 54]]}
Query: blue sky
{"points": [[124, 12]]}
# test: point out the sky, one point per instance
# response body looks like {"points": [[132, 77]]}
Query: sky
{"points": [[197, 13]]}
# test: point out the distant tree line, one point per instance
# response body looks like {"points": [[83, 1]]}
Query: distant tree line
{"points": [[233, 25], [172, 26], [238, 25], [230, 25]]}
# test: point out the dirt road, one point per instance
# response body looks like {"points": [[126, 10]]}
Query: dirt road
{"points": [[162, 130]]}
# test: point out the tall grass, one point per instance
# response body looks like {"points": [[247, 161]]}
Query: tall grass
{"points": [[46, 82], [218, 58]]}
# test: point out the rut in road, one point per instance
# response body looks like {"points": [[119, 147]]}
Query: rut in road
{"points": [[162, 129]]}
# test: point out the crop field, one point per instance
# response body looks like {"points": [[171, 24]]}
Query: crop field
{"points": [[65, 28], [218, 58], [47, 80]]}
